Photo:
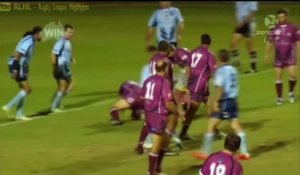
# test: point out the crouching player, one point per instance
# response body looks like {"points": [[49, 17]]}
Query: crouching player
{"points": [[223, 162], [130, 93], [158, 103]]}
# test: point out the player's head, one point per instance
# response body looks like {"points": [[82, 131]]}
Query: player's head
{"points": [[165, 4], [282, 15], [161, 68], [224, 56], [164, 46], [232, 142], [68, 31], [36, 32], [205, 39]]}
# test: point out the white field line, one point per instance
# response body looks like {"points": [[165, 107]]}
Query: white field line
{"points": [[103, 103], [63, 111]]}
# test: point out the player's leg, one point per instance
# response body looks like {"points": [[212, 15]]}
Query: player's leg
{"points": [[250, 45], [162, 152], [292, 70], [153, 155], [237, 128], [145, 133], [63, 87], [20, 106], [25, 89], [115, 110], [208, 139], [278, 84], [189, 118], [235, 55]]}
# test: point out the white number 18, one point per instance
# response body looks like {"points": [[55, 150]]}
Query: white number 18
{"points": [[219, 169]]}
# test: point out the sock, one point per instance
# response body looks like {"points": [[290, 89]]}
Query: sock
{"points": [[115, 114], [253, 58], [292, 84], [160, 160], [135, 114], [235, 56], [20, 108], [243, 147], [278, 85], [57, 100], [16, 99], [184, 130], [152, 164], [175, 138], [208, 139], [143, 135]]}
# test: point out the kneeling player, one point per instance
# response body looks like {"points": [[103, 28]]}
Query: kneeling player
{"points": [[158, 103], [130, 93]]}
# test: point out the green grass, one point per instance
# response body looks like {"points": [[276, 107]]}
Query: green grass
{"points": [[109, 48]]}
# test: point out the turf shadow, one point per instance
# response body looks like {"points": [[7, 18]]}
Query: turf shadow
{"points": [[256, 125], [261, 149], [191, 170], [98, 93]]}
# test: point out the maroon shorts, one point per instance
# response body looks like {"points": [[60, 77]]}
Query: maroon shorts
{"points": [[156, 123], [285, 63], [199, 97]]}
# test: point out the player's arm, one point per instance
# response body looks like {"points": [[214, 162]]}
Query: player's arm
{"points": [[180, 26], [218, 94], [16, 64], [151, 29], [269, 48], [180, 29]]}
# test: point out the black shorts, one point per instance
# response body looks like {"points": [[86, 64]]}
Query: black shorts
{"points": [[63, 73], [246, 30], [22, 73]]}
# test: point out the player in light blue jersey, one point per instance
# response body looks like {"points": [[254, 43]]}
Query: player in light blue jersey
{"points": [[61, 61], [19, 68], [224, 106], [168, 23], [245, 28]]}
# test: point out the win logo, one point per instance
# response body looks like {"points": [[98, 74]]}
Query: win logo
{"points": [[53, 31]]}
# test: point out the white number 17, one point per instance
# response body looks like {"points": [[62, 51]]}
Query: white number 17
{"points": [[195, 59]]}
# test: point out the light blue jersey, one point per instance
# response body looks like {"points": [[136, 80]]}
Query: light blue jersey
{"points": [[227, 77], [244, 8], [25, 47], [63, 50], [145, 73], [166, 21]]}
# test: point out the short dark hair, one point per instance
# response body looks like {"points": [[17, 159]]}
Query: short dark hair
{"points": [[283, 11], [164, 46], [223, 55], [68, 26], [205, 39], [232, 142], [161, 66]]}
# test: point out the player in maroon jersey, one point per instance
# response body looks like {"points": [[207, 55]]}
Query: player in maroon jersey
{"points": [[158, 103], [130, 93], [285, 37], [223, 162], [202, 65]]}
